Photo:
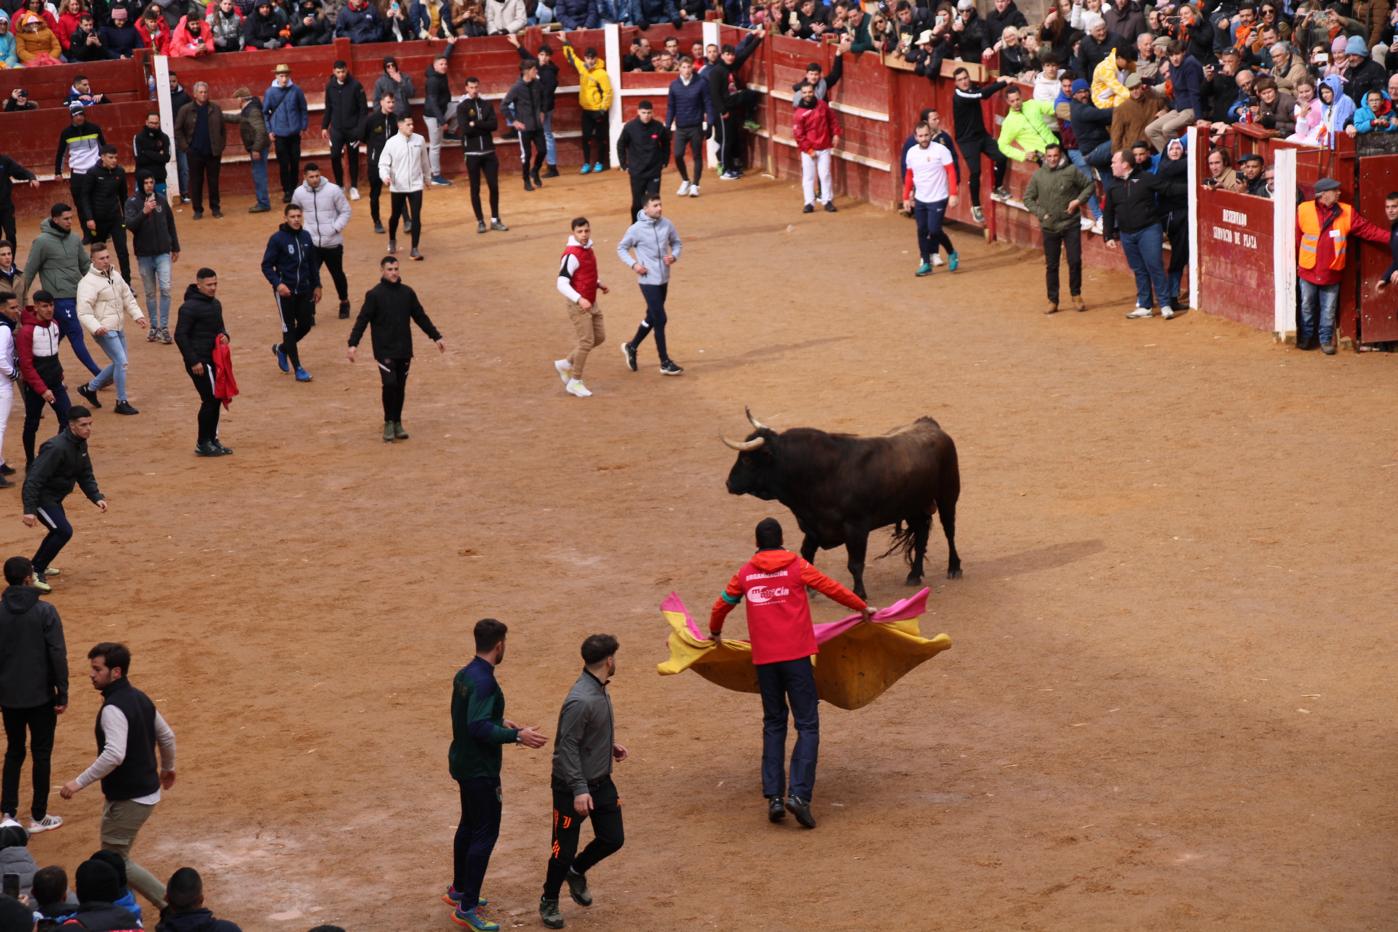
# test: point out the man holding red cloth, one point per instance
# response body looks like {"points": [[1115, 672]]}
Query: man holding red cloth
{"points": [[774, 583]]}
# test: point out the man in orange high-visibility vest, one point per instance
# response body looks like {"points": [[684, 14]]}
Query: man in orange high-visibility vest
{"points": [[1323, 228]]}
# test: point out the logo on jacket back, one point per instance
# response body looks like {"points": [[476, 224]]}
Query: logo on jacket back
{"points": [[761, 595]]}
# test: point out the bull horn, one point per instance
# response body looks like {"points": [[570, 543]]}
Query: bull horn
{"points": [[757, 425], [744, 446]]}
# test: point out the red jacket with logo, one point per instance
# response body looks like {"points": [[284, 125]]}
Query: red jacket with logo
{"points": [[815, 129], [779, 616]]}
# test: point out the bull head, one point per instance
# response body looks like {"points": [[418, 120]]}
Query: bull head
{"points": [[747, 446]]}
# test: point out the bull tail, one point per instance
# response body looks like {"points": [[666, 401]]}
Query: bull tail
{"points": [[904, 538]]}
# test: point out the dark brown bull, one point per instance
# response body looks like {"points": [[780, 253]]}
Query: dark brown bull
{"points": [[841, 487]]}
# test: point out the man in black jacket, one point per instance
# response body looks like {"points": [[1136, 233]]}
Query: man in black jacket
{"points": [[643, 150], [378, 128], [62, 462], [390, 309], [152, 149], [104, 206], [732, 100], [968, 124], [33, 688], [524, 105], [197, 331], [476, 121], [98, 884], [1132, 215], [128, 730], [157, 247], [10, 172], [548, 86], [345, 112]]}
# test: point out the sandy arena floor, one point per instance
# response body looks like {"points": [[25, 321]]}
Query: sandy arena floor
{"points": [[1168, 704]]}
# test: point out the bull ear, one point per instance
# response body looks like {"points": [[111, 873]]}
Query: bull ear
{"points": [[757, 425]]}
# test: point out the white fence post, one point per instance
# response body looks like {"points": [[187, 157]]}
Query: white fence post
{"points": [[161, 64], [1284, 242], [612, 34], [712, 36], [1192, 141]]}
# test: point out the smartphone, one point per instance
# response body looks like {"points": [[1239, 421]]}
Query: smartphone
{"points": [[11, 885]]}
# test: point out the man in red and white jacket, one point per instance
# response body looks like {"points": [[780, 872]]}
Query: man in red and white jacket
{"points": [[929, 188], [36, 343], [816, 131], [774, 583], [578, 282]]}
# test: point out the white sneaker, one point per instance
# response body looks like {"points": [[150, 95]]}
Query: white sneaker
{"points": [[564, 370], [729, 176], [354, 194], [1138, 312], [1085, 224], [694, 190], [1167, 312], [1097, 226], [684, 189], [47, 824], [576, 387], [938, 260]]}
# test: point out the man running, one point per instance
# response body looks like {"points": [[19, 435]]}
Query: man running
{"points": [[57, 258], [326, 212], [774, 582], [104, 300], [403, 167], [391, 307], [578, 282], [289, 263], [929, 188], [475, 117], [62, 463], [650, 247], [479, 730], [691, 113], [583, 754], [36, 347], [198, 330], [378, 128]]}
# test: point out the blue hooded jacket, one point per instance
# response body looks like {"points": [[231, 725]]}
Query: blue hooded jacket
{"points": [[290, 260], [1340, 112], [285, 110]]}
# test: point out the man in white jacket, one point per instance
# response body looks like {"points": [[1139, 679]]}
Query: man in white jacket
{"points": [[9, 370], [403, 167], [327, 212], [102, 297]]}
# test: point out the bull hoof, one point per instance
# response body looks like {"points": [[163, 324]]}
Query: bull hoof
{"points": [[954, 574], [913, 580]]}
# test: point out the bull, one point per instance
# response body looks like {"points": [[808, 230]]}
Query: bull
{"points": [[840, 487]]}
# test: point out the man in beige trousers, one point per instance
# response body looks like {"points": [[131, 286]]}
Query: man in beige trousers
{"points": [[578, 282]]}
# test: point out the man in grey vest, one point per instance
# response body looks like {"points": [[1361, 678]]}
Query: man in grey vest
{"points": [[128, 730]]}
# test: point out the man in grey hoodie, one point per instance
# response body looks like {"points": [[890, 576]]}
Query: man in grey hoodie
{"points": [[650, 247]]}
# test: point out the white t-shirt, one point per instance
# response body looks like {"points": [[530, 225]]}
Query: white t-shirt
{"points": [[929, 167]]}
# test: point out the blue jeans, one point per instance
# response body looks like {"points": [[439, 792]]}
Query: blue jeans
{"points": [[65, 314], [1080, 163], [155, 279], [113, 343], [790, 681], [1329, 298], [259, 177], [550, 144], [1142, 250], [929, 227]]}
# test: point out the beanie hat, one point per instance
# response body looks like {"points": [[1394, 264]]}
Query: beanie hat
{"points": [[97, 882], [1356, 46], [1080, 85]]}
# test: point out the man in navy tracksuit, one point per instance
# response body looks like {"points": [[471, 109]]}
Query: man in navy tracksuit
{"points": [[290, 265], [690, 114]]}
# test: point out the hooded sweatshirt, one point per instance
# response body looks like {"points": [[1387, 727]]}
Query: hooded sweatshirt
{"points": [[33, 654], [152, 234], [15, 857], [594, 86], [59, 260], [779, 616], [1338, 114], [653, 240]]}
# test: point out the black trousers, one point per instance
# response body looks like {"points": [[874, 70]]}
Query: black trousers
{"points": [[333, 258], [51, 516], [298, 314], [113, 230], [7, 225], [531, 138], [289, 163], [655, 319], [476, 834], [607, 832], [34, 409], [406, 204], [37, 724], [350, 147], [692, 138], [75, 187], [1070, 241], [489, 166], [642, 187], [375, 190], [209, 408], [729, 128], [971, 151], [393, 373], [203, 168], [595, 144]]}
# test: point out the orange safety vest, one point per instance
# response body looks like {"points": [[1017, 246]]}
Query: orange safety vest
{"points": [[1308, 219]]}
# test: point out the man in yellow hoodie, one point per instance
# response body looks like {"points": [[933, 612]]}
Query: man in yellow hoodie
{"points": [[1107, 87], [595, 96]]}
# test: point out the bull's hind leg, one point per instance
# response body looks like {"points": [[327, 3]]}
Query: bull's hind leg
{"points": [[920, 526], [947, 507]]}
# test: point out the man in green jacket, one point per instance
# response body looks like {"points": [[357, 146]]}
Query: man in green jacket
{"points": [[1026, 132], [478, 731], [59, 261], [1055, 195]]}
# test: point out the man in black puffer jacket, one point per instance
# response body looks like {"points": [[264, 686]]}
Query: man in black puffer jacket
{"points": [[97, 885], [345, 111], [197, 331], [62, 463], [103, 205], [392, 308]]}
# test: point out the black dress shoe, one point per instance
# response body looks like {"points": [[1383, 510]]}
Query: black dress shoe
{"points": [[802, 810], [776, 812]]}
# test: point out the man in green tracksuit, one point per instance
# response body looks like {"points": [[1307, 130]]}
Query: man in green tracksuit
{"points": [[478, 730], [1056, 195]]}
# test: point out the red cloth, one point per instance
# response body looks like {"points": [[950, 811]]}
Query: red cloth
{"points": [[815, 129], [774, 585], [225, 386], [584, 280]]}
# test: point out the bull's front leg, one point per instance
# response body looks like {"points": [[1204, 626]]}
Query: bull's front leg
{"points": [[809, 548], [856, 544]]}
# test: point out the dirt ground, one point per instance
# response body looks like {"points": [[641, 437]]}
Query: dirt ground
{"points": [[1169, 700]]}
